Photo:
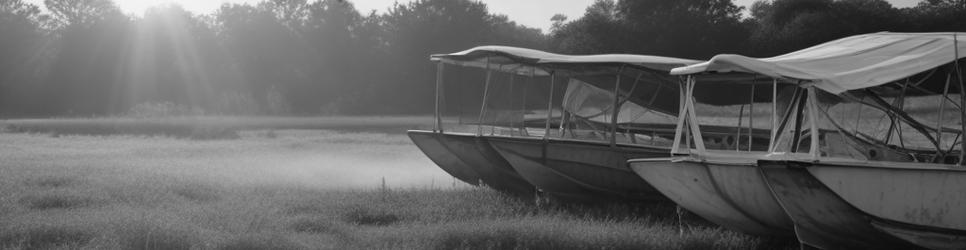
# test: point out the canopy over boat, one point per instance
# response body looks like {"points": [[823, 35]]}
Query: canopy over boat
{"points": [[526, 61], [850, 63], [646, 81]]}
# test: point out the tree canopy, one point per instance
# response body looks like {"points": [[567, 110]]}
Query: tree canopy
{"points": [[309, 57]]}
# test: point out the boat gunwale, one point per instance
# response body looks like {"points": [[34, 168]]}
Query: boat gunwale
{"points": [[805, 160], [711, 156], [585, 142]]}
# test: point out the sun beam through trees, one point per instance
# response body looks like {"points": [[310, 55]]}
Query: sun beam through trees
{"points": [[309, 57]]}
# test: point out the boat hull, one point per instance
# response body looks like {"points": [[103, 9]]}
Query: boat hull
{"points": [[478, 157], [923, 237], [928, 203], [431, 143], [821, 218], [494, 171], [578, 170], [732, 195]]}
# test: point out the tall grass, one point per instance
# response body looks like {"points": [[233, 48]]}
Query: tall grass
{"points": [[295, 189]]}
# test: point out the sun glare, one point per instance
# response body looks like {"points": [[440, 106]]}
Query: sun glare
{"points": [[137, 7]]}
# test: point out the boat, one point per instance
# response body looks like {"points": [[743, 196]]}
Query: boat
{"points": [[722, 184], [898, 181], [580, 152], [462, 150]]}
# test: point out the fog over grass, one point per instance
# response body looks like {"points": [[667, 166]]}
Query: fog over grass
{"points": [[291, 189], [309, 158]]}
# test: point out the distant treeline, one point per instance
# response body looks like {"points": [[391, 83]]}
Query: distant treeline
{"points": [[305, 57]]}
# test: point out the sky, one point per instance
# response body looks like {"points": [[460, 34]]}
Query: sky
{"points": [[532, 13]]}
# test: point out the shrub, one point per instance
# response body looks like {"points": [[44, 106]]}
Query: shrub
{"points": [[163, 109]]}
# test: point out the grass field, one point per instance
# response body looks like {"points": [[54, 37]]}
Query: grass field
{"points": [[288, 183]]}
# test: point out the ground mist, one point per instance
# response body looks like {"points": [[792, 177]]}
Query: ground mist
{"points": [[295, 188]]}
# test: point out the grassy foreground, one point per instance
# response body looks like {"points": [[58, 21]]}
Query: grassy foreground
{"points": [[295, 189]]}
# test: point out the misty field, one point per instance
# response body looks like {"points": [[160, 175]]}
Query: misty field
{"points": [[288, 183]]}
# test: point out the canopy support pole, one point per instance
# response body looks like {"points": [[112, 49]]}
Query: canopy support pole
{"points": [[962, 99], [616, 107], [939, 123], [682, 114], [564, 119], [774, 115], [895, 126], [693, 119], [546, 133], [813, 123], [627, 130], [438, 124], [512, 85], [791, 110], [741, 117], [751, 117], [486, 90], [523, 108], [799, 107]]}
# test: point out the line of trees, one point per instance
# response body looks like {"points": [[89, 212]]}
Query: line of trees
{"points": [[304, 57]]}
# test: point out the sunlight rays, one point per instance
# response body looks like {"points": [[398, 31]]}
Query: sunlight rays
{"points": [[164, 51]]}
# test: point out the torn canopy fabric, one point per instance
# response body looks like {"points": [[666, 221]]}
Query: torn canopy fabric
{"points": [[591, 103], [850, 63]]}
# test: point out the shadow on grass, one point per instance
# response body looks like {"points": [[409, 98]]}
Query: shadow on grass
{"points": [[57, 201], [313, 225], [45, 237], [53, 182], [197, 193], [370, 217], [266, 241]]}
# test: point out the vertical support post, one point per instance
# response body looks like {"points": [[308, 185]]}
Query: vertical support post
{"points": [[438, 124], [523, 107], [962, 98], [564, 116], [564, 119], [942, 109], [741, 114], [813, 123], [616, 107], [774, 115], [693, 119], [553, 79], [751, 117], [512, 85], [486, 90], [682, 114]]}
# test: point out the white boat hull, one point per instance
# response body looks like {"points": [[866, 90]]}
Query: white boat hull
{"points": [[821, 218], [928, 201], [729, 193]]}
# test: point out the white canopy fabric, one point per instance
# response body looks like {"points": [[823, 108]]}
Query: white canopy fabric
{"points": [[587, 101], [526, 61], [849, 63]]}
